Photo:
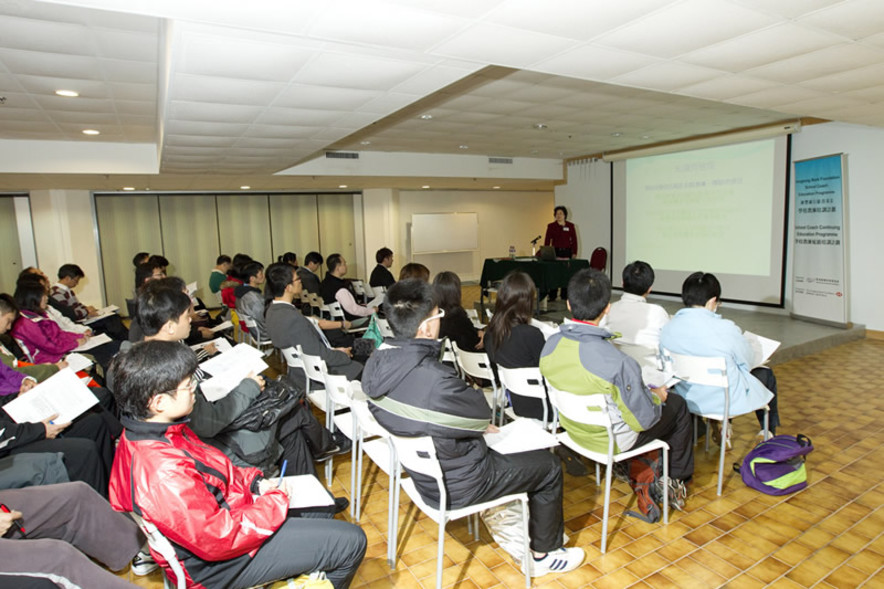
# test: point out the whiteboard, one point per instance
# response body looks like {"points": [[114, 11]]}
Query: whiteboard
{"points": [[444, 232]]}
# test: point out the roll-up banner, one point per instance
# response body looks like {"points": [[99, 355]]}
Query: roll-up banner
{"points": [[819, 259]]}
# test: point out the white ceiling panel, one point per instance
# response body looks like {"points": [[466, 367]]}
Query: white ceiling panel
{"points": [[322, 97], [131, 72], [503, 45], [592, 62], [727, 87], [853, 19], [46, 36], [356, 71], [787, 8], [818, 63], [51, 64], [856, 79], [190, 88], [685, 26]]}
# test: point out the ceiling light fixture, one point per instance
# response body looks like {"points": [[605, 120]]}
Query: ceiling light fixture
{"points": [[244, 187], [646, 136], [128, 188], [365, 143], [426, 117], [463, 146], [67, 93], [496, 187], [342, 186], [425, 186], [539, 126], [91, 132], [616, 134]]}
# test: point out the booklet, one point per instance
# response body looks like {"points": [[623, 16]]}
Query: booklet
{"points": [[101, 314], [191, 288], [229, 368], [521, 435], [305, 490], [63, 393], [93, 342], [762, 348]]}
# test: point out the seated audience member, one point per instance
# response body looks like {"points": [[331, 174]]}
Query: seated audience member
{"points": [[234, 279], [31, 470], [581, 359], [140, 258], [249, 298], [38, 372], [413, 394], [61, 314], [335, 288], [67, 525], [698, 330], [456, 325], [308, 273], [381, 275], [219, 274], [146, 272], [287, 327], [160, 261], [636, 320], [164, 313], [230, 526], [414, 270], [290, 258], [45, 341], [62, 292]]}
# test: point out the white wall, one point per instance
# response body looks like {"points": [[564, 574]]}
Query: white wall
{"points": [[64, 231], [505, 218], [380, 212], [587, 196], [863, 147]]}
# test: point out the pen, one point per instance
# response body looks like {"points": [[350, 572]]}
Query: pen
{"points": [[282, 473], [16, 523]]}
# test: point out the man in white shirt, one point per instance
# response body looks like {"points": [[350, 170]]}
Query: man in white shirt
{"points": [[335, 288], [636, 320]]}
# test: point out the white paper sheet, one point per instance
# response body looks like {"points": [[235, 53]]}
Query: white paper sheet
{"points": [[191, 288], [77, 362], [222, 326], [63, 393], [229, 368], [305, 490], [762, 348], [521, 435], [101, 314], [222, 344], [94, 342]]}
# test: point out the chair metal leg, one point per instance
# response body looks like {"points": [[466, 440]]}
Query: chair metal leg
{"points": [[598, 475], [353, 448], [440, 553], [393, 508], [607, 507], [665, 485], [724, 430], [767, 433], [528, 556]]}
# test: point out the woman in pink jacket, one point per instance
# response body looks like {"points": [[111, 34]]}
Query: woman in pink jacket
{"points": [[44, 339]]}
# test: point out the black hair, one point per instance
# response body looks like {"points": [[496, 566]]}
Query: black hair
{"points": [[313, 258], [175, 282], [29, 293], [239, 262], [698, 288], [515, 306], [146, 370], [140, 258], [223, 259], [589, 292], [382, 254], [7, 304], [70, 271], [143, 272], [333, 261], [406, 304], [638, 278], [288, 258], [158, 303], [447, 286], [250, 269], [278, 276], [561, 208], [414, 270], [158, 259]]}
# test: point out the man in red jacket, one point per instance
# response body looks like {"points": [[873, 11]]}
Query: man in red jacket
{"points": [[229, 525]]}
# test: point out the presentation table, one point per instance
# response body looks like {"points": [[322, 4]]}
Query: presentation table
{"points": [[546, 275]]}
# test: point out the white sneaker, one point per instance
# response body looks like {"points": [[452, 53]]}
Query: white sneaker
{"points": [[143, 564], [557, 561]]}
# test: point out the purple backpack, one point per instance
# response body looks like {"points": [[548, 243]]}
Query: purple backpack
{"points": [[776, 466]]}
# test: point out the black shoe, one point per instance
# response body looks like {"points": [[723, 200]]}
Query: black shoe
{"points": [[573, 464], [342, 447], [343, 442], [341, 503]]}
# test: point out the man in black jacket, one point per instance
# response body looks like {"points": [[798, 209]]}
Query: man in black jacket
{"points": [[413, 394]]}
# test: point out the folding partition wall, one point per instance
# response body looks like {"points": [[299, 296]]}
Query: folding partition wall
{"points": [[191, 230], [10, 249]]}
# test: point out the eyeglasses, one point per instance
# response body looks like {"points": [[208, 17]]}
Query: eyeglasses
{"points": [[191, 387], [438, 315]]}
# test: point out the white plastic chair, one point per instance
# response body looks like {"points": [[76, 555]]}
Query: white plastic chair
{"points": [[474, 318], [336, 403], [710, 371], [162, 546], [372, 439], [592, 410], [477, 365], [386, 330], [418, 455], [314, 389], [361, 289], [255, 338], [528, 382]]}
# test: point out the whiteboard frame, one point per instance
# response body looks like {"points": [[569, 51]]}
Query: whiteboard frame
{"points": [[415, 252]]}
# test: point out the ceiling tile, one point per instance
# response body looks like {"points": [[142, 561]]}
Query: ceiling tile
{"points": [[356, 71], [592, 62], [853, 19], [321, 97], [856, 79], [818, 63], [488, 43], [726, 87], [667, 76], [787, 8], [224, 90], [52, 65]]}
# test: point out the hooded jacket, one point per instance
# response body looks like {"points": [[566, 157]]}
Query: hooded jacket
{"points": [[196, 497], [413, 394], [580, 359]]}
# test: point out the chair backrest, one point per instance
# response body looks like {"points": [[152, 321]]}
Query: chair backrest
{"points": [[336, 312], [386, 330], [418, 455], [292, 357], [25, 350], [476, 364], [314, 366], [599, 259], [527, 382], [338, 387], [583, 409], [359, 405], [161, 545], [709, 371], [254, 331], [358, 287]]}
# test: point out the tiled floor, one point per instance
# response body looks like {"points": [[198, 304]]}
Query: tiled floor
{"points": [[829, 535]]}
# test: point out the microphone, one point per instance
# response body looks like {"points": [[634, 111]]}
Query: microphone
{"points": [[535, 240]]}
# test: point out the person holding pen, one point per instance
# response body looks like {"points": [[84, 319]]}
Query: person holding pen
{"points": [[231, 527]]}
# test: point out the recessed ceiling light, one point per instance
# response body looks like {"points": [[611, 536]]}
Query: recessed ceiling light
{"points": [[365, 143], [67, 93], [539, 126], [426, 117], [91, 132], [646, 136], [496, 187], [425, 186], [463, 146], [616, 134], [342, 186], [128, 188], [244, 187]]}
